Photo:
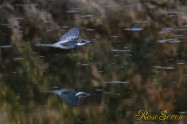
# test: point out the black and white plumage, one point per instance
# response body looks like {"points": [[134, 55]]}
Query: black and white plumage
{"points": [[70, 96], [69, 40]]}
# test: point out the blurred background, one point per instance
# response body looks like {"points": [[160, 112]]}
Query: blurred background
{"points": [[137, 61]]}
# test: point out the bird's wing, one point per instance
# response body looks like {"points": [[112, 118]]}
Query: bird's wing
{"points": [[71, 44], [70, 99], [73, 33]]}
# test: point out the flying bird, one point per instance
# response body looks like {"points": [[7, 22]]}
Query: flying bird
{"points": [[69, 40], [70, 96]]}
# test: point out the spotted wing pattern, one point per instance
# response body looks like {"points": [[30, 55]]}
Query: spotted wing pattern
{"points": [[73, 33], [71, 44]]}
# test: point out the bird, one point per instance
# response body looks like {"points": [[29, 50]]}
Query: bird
{"points": [[69, 40], [70, 96]]}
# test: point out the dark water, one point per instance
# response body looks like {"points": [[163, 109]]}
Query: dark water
{"points": [[137, 61]]}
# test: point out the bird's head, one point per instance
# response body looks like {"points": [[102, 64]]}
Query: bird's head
{"points": [[83, 42], [82, 94]]}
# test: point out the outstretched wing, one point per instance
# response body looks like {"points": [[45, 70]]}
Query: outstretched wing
{"points": [[73, 33], [70, 44], [70, 99]]}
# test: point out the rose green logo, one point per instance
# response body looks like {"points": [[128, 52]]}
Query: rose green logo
{"points": [[163, 116]]}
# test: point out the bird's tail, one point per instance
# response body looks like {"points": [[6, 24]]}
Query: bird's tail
{"points": [[45, 45]]}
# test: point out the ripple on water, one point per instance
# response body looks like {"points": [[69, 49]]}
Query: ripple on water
{"points": [[87, 16], [121, 50], [73, 10], [181, 63], [117, 82], [166, 30], [26, 5], [169, 41], [165, 68], [17, 58], [89, 29], [134, 29], [6, 46], [182, 112], [139, 21]]}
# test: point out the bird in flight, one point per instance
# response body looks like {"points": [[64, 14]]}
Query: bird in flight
{"points": [[70, 96], [69, 40]]}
